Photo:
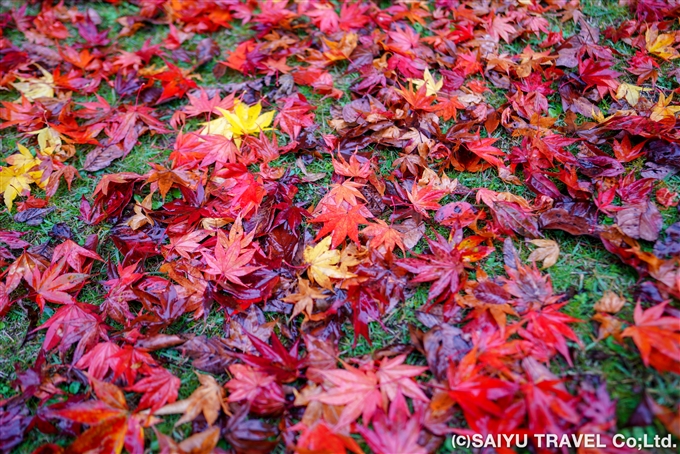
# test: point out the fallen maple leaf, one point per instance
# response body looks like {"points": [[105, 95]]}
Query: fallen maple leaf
{"points": [[431, 85], [304, 299], [33, 88], [198, 443], [548, 251], [53, 284], [158, 387], [261, 390], [342, 222], [661, 45], [500, 27], [610, 302], [630, 92], [208, 399], [324, 263], [240, 121], [320, 438], [662, 109], [444, 268], [657, 337], [363, 390], [16, 179], [384, 236], [112, 425], [398, 431], [230, 262]]}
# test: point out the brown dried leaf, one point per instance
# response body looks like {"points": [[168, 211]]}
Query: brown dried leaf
{"points": [[548, 251], [610, 302], [207, 399]]}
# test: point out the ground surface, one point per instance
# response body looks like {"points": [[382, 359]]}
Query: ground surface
{"points": [[540, 384]]}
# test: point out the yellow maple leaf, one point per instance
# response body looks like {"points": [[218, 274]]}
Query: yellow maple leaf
{"points": [[241, 120], [342, 49], [247, 120], [324, 264], [661, 45], [431, 85], [16, 178], [49, 140], [663, 109], [33, 88], [630, 92]]}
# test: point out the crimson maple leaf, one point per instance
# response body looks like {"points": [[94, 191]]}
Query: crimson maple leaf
{"points": [[444, 267], [599, 75], [482, 147], [74, 323], [158, 386], [476, 392], [320, 438], [98, 361], [550, 408], [175, 82], [548, 329], [295, 114], [202, 104], [52, 285], [128, 361], [274, 360], [425, 198], [74, 255]]}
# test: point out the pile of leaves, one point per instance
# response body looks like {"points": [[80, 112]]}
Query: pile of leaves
{"points": [[296, 261]]}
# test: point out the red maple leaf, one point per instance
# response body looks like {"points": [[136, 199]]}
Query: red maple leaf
{"points": [[418, 100], [343, 222], [364, 390], [230, 262], [112, 425], [320, 438], [397, 431], [657, 337], [259, 389], [99, 360], [599, 75], [425, 198], [74, 323], [274, 360], [444, 267], [477, 393], [158, 386], [482, 147], [175, 83], [53, 285], [547, 328], [295, 114]]}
